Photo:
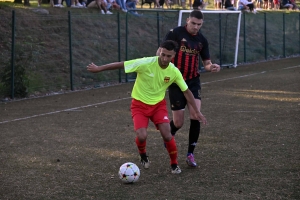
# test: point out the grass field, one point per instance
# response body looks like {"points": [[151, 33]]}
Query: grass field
{"points": [[71, 146]]}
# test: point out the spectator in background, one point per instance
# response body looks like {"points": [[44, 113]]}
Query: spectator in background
{"points": [[76, 4], [68, 3], [114, 5], [276, 4], [266, 4], [287, 4], [228, 5], [57, 4], [101, 4], [131, 5], [190, 4], [199, 5], [295, 7], [166, 2], [259, 4], [183, 4], [270, 4], [245, 5], [218, 4], [122, 4]]}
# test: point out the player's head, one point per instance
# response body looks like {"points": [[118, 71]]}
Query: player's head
{"points": [[167, 52], [194, 22]]}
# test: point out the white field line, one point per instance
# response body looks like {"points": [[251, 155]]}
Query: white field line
{"points": [[59, 111], [115, 100]]}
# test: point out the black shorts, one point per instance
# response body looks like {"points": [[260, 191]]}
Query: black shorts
{"points": [[176, 96]]}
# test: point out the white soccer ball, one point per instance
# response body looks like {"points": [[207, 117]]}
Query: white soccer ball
{"points": [[129, 172]]}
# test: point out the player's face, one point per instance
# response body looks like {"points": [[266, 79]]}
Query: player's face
{"points": [[165, 57], [193, 25]]}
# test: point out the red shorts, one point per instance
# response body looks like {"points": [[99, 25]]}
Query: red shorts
{"points": [[141, 113]]}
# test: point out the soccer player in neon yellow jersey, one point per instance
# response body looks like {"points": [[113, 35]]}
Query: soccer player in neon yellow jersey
{"points": [[154, 75]]}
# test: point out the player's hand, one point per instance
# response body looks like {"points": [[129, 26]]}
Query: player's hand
{"points": [[201, 118], [215, 68], [92, 68]]}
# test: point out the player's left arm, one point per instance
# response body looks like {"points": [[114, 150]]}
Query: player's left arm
{"points": [[209, 66]]}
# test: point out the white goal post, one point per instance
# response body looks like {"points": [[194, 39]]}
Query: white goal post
{"points": [[239, 13]]}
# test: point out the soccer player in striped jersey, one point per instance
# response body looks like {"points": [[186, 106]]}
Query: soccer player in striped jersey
{"points": [[154, 76], [192, 44]]}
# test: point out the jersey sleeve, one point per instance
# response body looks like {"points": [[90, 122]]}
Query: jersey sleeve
{"points": [[204, 53], [171, 35], [180, 81], [133, 65]]}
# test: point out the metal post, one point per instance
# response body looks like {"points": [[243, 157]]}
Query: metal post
{"points": [[220, 38], [245, 38], [158, 35], [283, 34], [12, 84], [70, 50], [119, 47], [265, 32], [126, 44]]}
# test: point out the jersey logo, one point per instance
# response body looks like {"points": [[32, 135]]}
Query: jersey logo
{"points": [[151, 74], [183, 40], [166, 79], [165, 117], [189, 51]]}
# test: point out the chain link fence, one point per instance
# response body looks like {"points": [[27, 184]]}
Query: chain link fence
{"points": [[52, 55]]}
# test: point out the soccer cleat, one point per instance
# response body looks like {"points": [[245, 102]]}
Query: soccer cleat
{"points": [[177, 170], [191, 161], [145, 162]]}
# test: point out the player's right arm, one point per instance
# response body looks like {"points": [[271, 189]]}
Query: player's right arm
{"points": [[111, 66]]}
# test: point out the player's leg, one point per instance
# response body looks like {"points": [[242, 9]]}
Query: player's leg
{"points": [[160, 118], [140, 141], [177, 103], [194, 132], [140, 121], [171, 147]]}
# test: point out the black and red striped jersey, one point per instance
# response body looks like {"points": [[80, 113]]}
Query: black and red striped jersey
{"points": [[190, 47]]}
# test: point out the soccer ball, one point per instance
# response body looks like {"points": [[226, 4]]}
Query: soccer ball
{"points": [[129, 172]]}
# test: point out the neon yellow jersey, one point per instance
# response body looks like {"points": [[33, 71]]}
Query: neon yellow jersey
{"points": [[152, 81]]}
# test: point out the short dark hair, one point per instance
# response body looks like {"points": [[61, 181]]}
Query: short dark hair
{"points": [[169, 45], [197, 14]]}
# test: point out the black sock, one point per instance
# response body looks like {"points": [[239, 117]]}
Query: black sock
{"points": [[173, 166], [193, 135], [174, 129], [144, 156]]}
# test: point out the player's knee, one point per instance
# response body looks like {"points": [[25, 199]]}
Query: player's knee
{"points": [[178, 123], [141, 135], [167, 137]]}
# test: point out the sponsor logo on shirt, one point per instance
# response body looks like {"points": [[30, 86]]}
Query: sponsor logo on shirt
{"points": [[188, 50], [166, 79]]}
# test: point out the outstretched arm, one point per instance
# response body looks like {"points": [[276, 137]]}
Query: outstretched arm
{"points": [[111, 66], [190, 99], [208, 66]]}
